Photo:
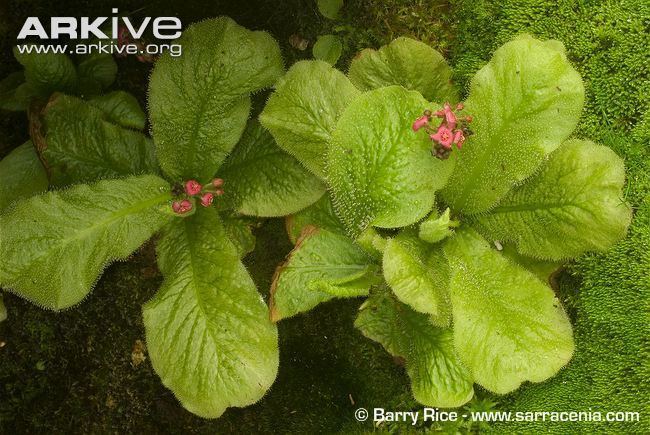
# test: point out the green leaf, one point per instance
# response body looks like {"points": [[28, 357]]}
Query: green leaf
{"points": [[21, 175], [543, 269], [328, 48], [381, 172], [302, 112], [46, 73], [525, 102], [81, 145], [418, 274], [405, 62], [321, 214], [208, 331], [572, 205], [263, 180], [322, 266], [436, 228], [330, 8], [54, 246], [3, 310], [24, 95], [121, 108], [199, 102], [240, 232], [372, 242], [437, 376], [508, 326], [97, 71], [10, 99]]}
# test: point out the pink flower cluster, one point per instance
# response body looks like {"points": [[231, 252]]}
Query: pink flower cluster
{"points": [[206, 193], [452, 129]]}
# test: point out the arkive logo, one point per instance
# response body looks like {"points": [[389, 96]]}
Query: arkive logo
{"points": [[84, 28], [124, 36]]}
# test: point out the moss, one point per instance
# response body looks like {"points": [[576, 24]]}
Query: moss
{"points": [[607, 43], [377, 22]]}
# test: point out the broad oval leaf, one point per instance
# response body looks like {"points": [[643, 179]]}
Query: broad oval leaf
{"points": [[80, 144], [55, 246], [96, 71], [208, 331], [405, 62], [508, 326], [3, 310], [321, 214], [322, 266], [572, 205], [542, 269], [302, 112], [437, 376], [381, 172], [263, 180], [240, 232], [10, 98], [122, 109], [199, 102], [525, 102], [328, 48], [330, 8], [418, 274], [49, 72], [21, 175]]}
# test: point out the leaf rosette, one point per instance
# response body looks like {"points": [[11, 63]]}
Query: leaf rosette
{"points": [[199, 183], [462, 296]]}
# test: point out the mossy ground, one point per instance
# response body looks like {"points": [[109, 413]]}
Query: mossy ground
{"points": [[78, 371]]}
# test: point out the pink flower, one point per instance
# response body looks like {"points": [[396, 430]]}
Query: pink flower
{"points": [[206, 199], [217, 182], [420, 122], [459, 138], [444, 136], [182, 207], [460, 106], [450, 117], [192, 187]]}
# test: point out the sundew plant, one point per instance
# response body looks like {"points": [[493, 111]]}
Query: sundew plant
{"points": [[449, 216], [206, 168]]}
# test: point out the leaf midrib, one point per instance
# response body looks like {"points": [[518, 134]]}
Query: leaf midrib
{"points": [[64, 242]]}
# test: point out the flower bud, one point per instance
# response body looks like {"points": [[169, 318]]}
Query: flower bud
{"points": [[206, 199], [420, 122], [192, 187], [217, 182], [182, 207]]}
